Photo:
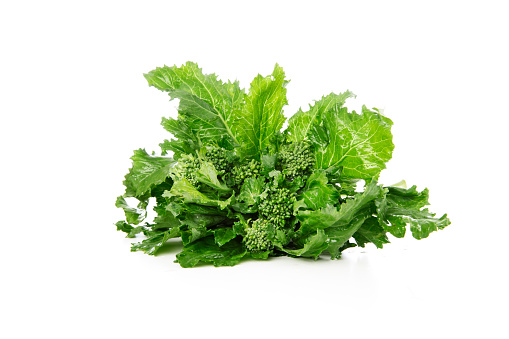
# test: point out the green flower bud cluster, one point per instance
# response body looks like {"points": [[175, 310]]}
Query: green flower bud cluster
{"points": [[256, 238], [186, 167], [277, 207], [297, 159], [219, 158], [246, 170]]}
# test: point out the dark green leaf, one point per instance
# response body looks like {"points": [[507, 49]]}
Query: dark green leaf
{"points": [[147, 172], [401, 207], [152, 244], [133, 215], [314, 245], [223, 235], [371, 231], [207, 251]]}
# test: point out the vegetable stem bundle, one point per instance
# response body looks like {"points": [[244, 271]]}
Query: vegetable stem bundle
{"points": [[236, 186]]}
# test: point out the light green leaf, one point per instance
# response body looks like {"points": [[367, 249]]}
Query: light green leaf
{"points": [[300, 123], [263, 115], [183, 189], [207, 105], [360, 143]]}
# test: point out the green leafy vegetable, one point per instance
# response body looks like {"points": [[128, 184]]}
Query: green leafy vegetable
{"points": [[237, 186]]}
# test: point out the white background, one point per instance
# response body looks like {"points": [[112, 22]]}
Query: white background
{"points": [[74, 105]]}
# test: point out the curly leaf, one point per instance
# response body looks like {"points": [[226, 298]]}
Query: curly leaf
{"points": [[371, 231], [401, 207]]}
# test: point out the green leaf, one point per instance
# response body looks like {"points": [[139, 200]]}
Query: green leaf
{"points": [[140, 229], [133, 215], [147, 172], [300, 123], [317, 193], [314, 245], [183, 189], [206, 250], [263, 115], [124, 227], [334, 248], [250, 195], [194, 220], [339, 236], [207, 174], [268, 163], [193, 234], [371, 231], [187, 142], [223, 235], [165, 219], [153, 243], [330, 216], [401, 207], [360, 143], [207, 105]]}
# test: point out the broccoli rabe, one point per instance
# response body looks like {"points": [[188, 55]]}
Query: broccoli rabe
{"points": [[246, 170], [277, 206], [186, 167], [297, 159], [254, 190], [220, 159], [257, 238]]}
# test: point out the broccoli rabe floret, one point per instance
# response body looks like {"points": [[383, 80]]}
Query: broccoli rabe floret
{"points": [[297, 159], [277, 207], [220, 159], [186, 167], [256, 238], [246, 170]]}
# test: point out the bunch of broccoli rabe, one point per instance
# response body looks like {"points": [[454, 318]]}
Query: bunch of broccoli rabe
{"points": [[237, 187]]}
